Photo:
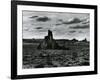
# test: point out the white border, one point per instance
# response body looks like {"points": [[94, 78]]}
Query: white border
{"points": [[21, 71]]}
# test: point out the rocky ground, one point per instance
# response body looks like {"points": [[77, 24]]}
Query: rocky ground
{"points": [[76, 54]]}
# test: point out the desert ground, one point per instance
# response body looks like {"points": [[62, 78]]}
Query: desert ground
{"points": [[75, 54]]}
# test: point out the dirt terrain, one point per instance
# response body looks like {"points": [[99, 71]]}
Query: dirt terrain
{"points": [[75, 54]]}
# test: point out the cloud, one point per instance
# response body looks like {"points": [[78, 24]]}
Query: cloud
{"points": [[80, 32], [72, 21], [33, 16], [60, 20], [80, 26], [86, 22], [43, 19], [38, 28], [72, 31], [58, 24]]}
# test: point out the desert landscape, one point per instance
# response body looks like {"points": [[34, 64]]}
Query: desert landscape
{"points": [[55, 39], [37, 54]]}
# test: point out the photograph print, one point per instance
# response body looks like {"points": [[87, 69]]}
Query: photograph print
{"points": [[55, 39]]}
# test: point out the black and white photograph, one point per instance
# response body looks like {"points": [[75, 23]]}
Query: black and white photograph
{"points": [[53, 39]]}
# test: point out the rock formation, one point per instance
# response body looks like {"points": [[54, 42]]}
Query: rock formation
{"points": [[48, 42], [85, 40], [74, 40]]}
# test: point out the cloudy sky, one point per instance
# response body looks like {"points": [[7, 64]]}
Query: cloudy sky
{"points": [[63, 25]]}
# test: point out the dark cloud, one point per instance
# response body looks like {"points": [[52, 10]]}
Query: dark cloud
{"points": [[58, 24], [80, 27], [43, 19], [39, 28], [33, 16], [72, 21], [72, 31], [60, 20], [86, 22]]}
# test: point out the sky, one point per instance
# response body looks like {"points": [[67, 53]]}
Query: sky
{"points": [[64, 25]]}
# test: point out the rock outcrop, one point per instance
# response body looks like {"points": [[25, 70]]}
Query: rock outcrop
{"points": [[85, 40], [48, 42]]}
